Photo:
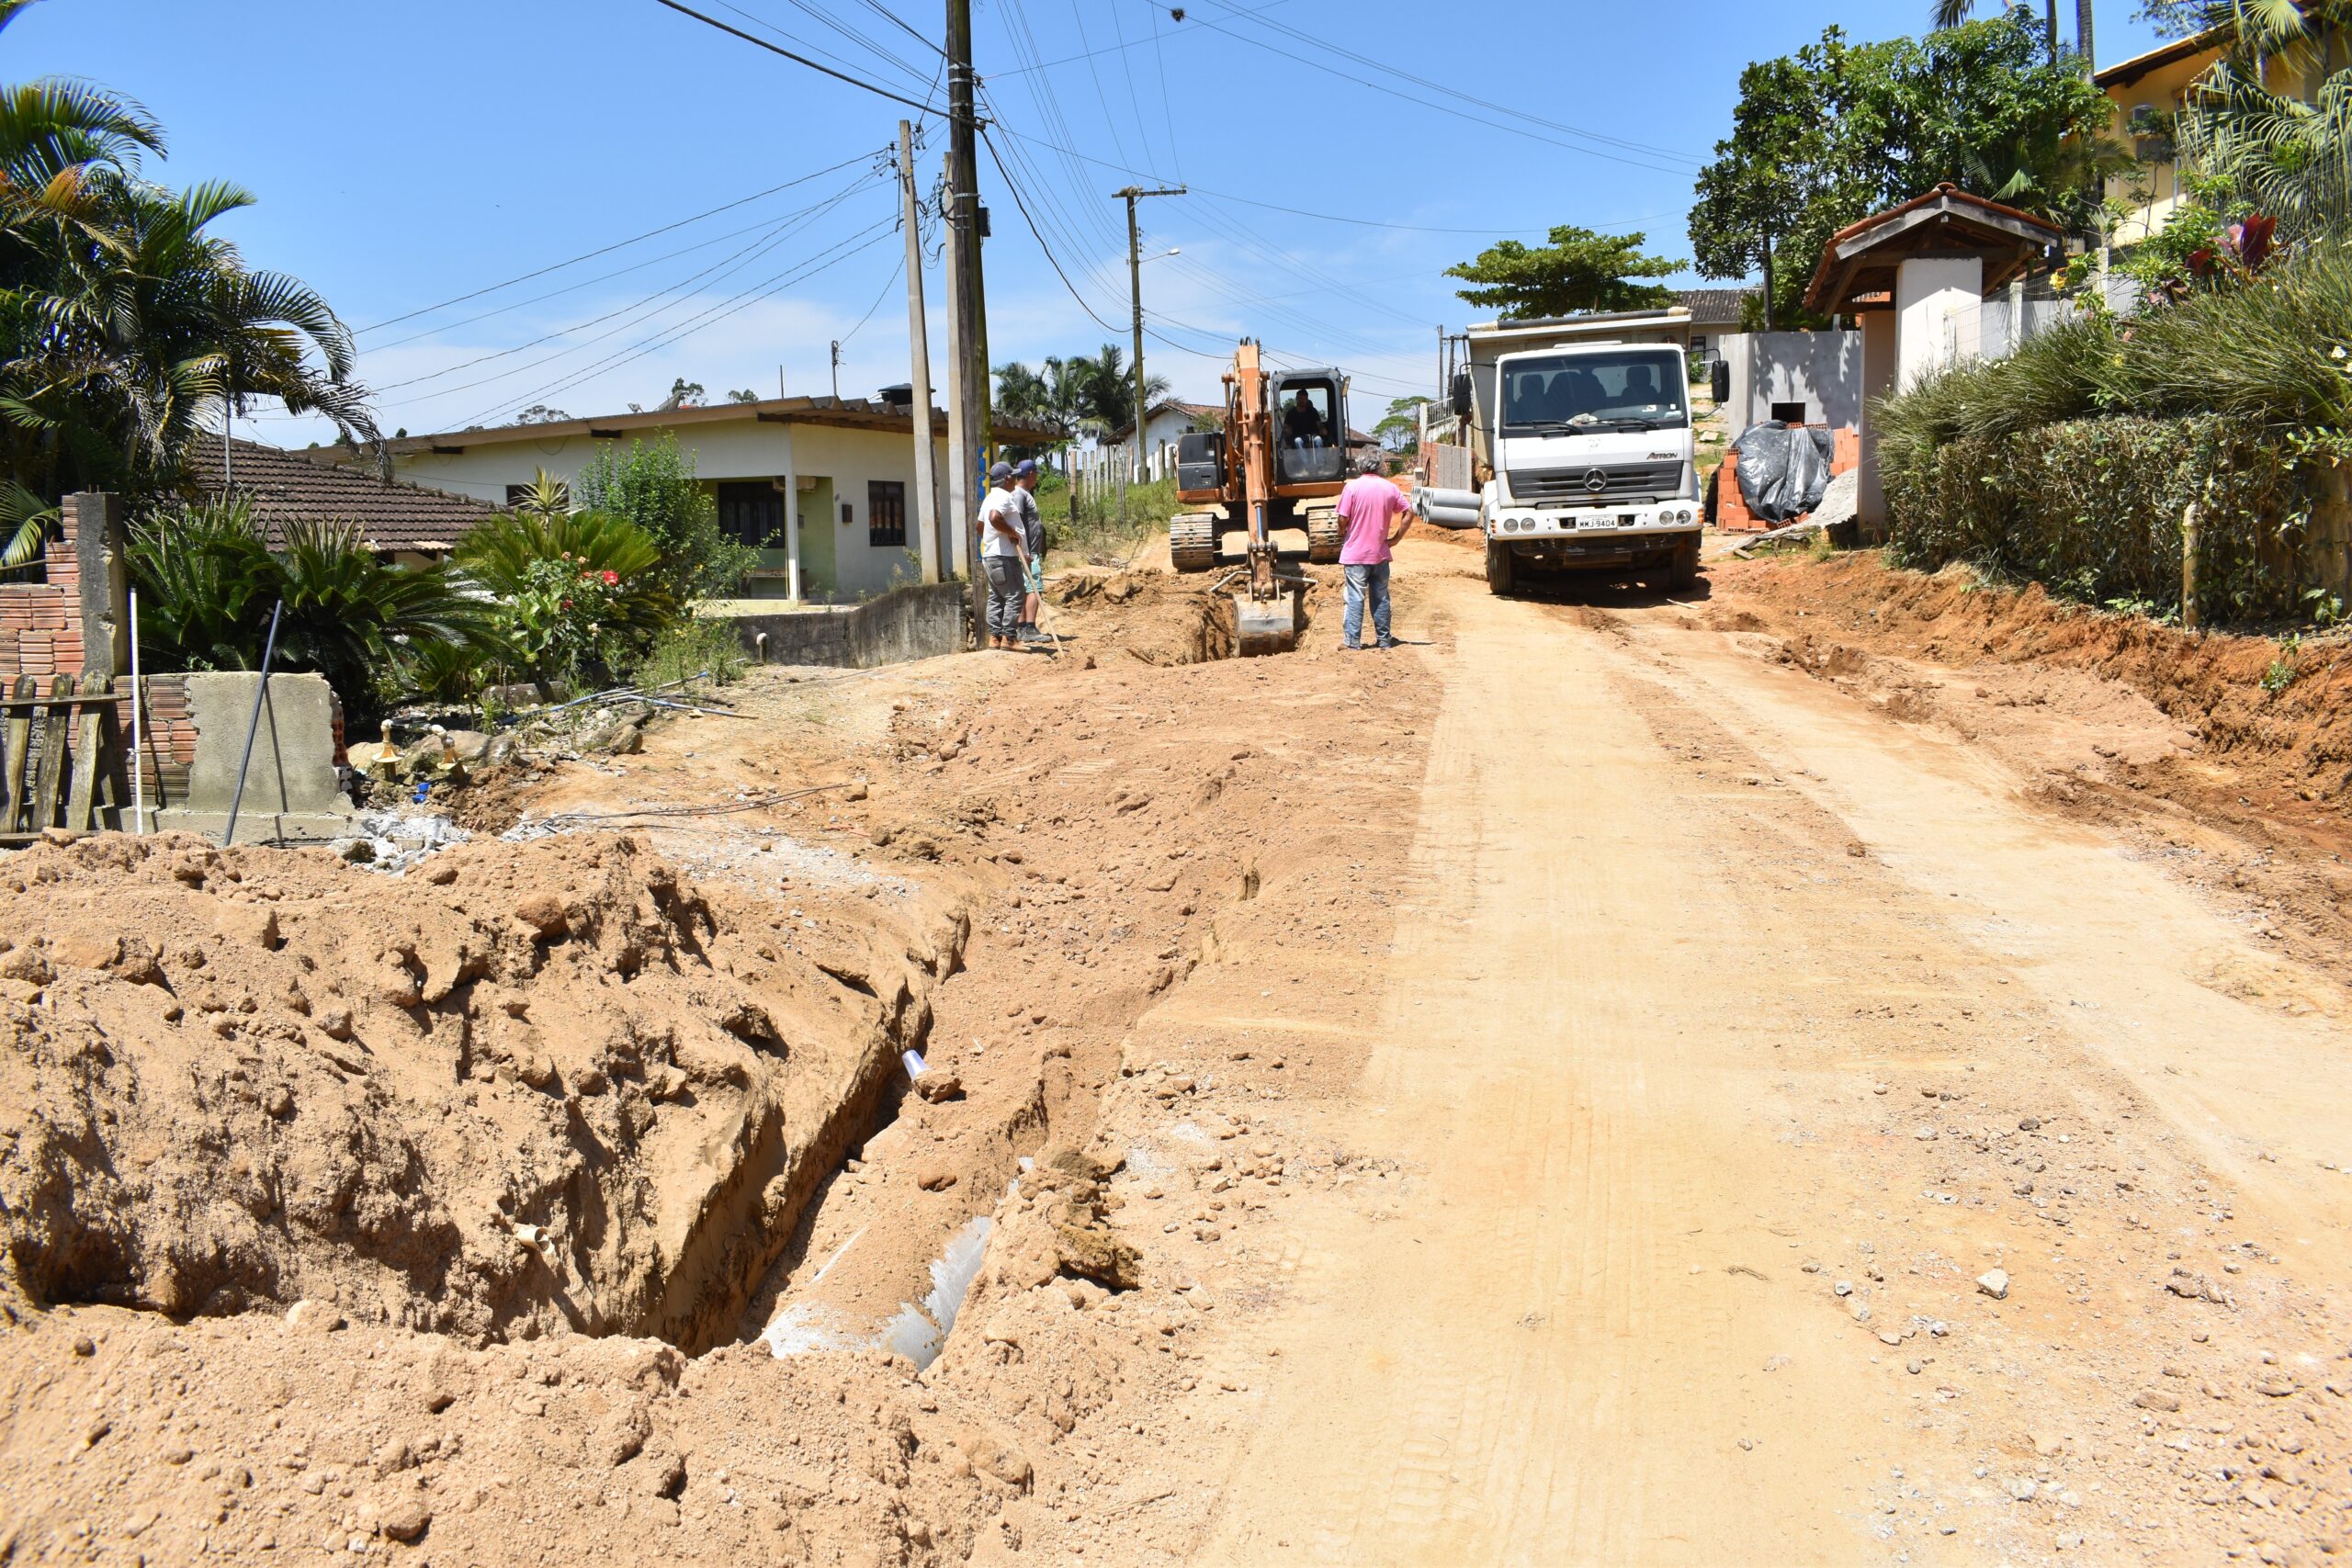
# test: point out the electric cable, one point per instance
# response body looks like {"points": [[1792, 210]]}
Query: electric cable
{"points": [[775, 236], [607, 250], [1428, 84], [685, 10]]}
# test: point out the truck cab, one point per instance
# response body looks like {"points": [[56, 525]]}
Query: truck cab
{"points": [[1590, 453]]}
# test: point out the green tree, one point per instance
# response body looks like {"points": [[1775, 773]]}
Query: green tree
{"points": [[1578, 270], [1401, 430], [124, 321], [652, 484], [1838, 130]]}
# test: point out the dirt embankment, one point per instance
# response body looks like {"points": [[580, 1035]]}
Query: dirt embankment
{"points": [[374, 1213], [528, 1089], [2170, 734]]}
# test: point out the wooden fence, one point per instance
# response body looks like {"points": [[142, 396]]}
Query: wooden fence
{"points": [[61, 757]]}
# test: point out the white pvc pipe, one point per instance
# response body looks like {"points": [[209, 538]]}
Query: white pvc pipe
{"points": [[138, 709]]}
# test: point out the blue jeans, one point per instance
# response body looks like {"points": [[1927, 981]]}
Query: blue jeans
{"points": [[1366, 583]]}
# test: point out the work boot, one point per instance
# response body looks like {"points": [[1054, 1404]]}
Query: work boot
{"points": [[1386, 642]]}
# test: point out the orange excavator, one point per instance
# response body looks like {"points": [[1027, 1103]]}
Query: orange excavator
{"points": [[1276, 467]]}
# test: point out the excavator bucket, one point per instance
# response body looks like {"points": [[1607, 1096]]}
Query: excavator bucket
{"points": [[1266, 626]]}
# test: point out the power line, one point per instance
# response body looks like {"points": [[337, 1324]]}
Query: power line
{"points": [[892, 17], [799, 273], [583, 282], [616, 245], [1424, 82], [851, 34], [1275, 206], [775, 236], [796, 59], [998, 160]]}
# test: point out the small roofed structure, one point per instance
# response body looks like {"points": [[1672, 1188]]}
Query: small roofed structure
{"points": [[1915, 275]]}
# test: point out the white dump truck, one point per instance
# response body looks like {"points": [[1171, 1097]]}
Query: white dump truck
{"points": [[1578, 432]]}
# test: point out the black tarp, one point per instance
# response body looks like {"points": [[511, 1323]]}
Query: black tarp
{"points": [[1783, 468]]}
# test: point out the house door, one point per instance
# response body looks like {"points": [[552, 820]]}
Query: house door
{"points": [[750, 511], [820, 568]]}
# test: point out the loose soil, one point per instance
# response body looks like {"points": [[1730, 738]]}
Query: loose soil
{"points": [[1556, 1092]]}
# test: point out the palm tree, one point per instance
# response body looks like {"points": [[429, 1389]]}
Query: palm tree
{"points": [[1953, 13], [122, 319]]}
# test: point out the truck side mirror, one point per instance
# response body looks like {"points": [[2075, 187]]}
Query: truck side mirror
{"points": [[1460, 397]]}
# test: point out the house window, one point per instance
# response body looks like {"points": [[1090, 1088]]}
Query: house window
{"points": [[886, 513], [752, 512], [517, 494]]}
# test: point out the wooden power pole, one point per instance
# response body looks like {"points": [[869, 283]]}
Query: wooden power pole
{"points": [[930, 545], [967, 436], [1135, 293]]}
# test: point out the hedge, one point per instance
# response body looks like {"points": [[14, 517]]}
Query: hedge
{"points": [[2093, 509]]}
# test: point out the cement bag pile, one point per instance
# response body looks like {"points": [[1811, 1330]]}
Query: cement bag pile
{"points": [[1783, 470], [1447, 508]]}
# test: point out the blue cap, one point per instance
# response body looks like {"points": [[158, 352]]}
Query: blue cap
{"points": [[1024, 468], [1000, 471]]}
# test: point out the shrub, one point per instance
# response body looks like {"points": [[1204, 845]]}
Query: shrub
{"points": [[2094, 509], [652, 484], [689, 646], [576, 593]]}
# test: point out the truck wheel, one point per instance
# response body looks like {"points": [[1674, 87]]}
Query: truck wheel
{"points": [[1192, 541], [1502, 571], [1323, 538], [1686, 565]]}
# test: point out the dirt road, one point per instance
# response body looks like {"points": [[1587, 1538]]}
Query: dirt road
{"points": [[1843, 1070], [1731, 1031]]}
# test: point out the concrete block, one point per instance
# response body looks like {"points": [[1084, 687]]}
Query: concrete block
{"points": [[293, 794]]}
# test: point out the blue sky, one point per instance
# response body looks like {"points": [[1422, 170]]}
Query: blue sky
{"points": [[407, 153]]}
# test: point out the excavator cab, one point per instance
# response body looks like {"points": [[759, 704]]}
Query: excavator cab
{"points": [[1310, 417]]}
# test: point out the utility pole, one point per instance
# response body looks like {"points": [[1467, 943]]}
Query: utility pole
{"points": [[929, 544], [967, 377], [1134, 291]]}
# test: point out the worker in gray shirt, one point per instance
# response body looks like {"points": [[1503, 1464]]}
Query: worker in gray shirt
{"points": [[1033, 531]]}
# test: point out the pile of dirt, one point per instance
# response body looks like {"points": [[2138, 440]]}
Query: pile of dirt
{"points": [[527, 1088], [2292, 731]]}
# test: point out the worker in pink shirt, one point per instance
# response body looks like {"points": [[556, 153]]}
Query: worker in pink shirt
{"points": [[1367, 507]]}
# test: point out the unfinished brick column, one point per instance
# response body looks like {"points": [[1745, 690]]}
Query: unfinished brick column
{"points": [[79, 619]]}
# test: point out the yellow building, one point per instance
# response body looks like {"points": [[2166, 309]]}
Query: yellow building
{"points": [[2150, 90]]}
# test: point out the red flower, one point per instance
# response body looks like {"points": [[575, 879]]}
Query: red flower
{"points": [[611, 580]]}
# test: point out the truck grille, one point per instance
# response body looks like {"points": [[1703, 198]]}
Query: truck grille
{"points": [[1617, 483]]}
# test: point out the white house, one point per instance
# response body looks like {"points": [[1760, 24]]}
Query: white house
{"points": [[847, 463], [1097, 459]]}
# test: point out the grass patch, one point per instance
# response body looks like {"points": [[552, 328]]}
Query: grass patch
{"points": [[1096, 531], [689, 646]]}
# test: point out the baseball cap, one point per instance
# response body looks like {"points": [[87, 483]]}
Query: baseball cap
{"points": [[1024, 468], [1000, 471]]}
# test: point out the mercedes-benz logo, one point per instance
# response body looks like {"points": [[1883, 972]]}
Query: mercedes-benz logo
{"points": [[1596, 481]]}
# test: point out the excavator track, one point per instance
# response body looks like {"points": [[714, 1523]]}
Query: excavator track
{"points": [[1323, 535], [1192, 541]]}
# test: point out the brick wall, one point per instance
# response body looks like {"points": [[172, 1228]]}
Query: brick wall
{"points": [[40, 623], [167, 742]]}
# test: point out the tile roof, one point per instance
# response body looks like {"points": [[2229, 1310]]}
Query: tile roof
{"points": [[285, 487], [1708, 307]]}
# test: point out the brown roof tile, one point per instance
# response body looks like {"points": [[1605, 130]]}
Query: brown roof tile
{"points": [[285, 487]]}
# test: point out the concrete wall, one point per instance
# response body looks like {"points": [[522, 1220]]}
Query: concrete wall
{"points": [[744, 449], [293, 793], [921, 621], [1939, 306], [1822, 370]]}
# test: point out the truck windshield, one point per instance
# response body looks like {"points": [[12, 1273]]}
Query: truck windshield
{"points": [[1634, 389]]}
